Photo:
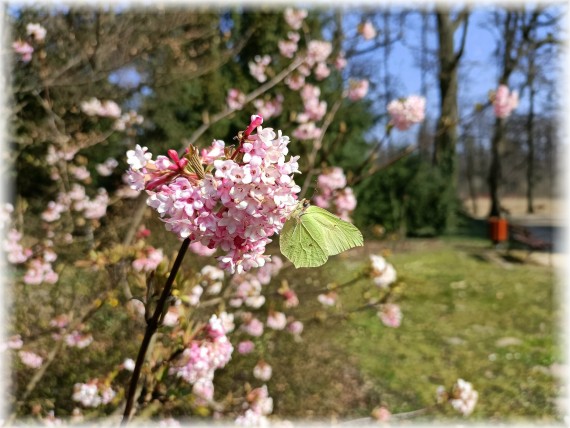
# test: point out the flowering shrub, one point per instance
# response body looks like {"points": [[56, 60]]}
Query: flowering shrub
{"points": [[222, 199]]}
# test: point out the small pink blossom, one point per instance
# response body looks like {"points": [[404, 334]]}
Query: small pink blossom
{"points": [[406, 112], [504, 101], [87, 394], [318, 51], [127, 121], [149, 260], [269, 108], [13, 342], [254, 327], [381, 414], [53, 211], [81, 173], [357, 89], [295, 81], [245, 347], [291, 298], [24, 49], [106, 168], [367, 30], [322, 71], [295, 17], [328, 299], [276, 320], [36, 31], [295, 327], [235, 99], [40, 271], [381, 272], [287, 48], [60, 321], [78, 340], [258, 66], [262, 371], [15, 252], [390, 315], [95, 107], [340, 62], [30, 359], [97, 207], [463, 397], [307, 131]]}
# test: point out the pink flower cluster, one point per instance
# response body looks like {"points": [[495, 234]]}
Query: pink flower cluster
{"points": [[93, 393], [390, 315], [407, 111], [288, 47], [235, 99], [31, 359], [16, 253], [504, 101], [357, 89], [94, 107], [314, 110], [76, 339], [382, 273], [259, 405], [40, 270], [295, 17], [462, 398], [262, 371], [328, 299], [332, 186], [36, 31], [24, 49], [248, 286], [128, 120], [202, 358], [258, 66], [237, 207], [367, 30], [269, 108], [14, 342], [106, 168], [148, 259], [76, 199]]}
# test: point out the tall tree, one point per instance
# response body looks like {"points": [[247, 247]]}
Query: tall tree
{"points": [[449, 57], [515, 40]]}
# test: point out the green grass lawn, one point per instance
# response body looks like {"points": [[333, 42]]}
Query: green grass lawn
{"points": [[493, 325]]}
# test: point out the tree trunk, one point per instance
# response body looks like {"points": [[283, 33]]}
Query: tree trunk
{"points": [[446, 129], [494, 178], [530, 144]]}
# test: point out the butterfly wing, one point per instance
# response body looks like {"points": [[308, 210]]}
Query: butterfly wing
{"points": [[338, 235], [303, 245]]}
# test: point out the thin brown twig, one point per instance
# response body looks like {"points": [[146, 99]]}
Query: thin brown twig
{"points": [[151, 328]]}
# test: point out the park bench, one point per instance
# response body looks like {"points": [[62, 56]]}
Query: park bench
{"points": [[522, 236]]}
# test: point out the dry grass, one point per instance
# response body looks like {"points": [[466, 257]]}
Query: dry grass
{"points": [[516, 206]]}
